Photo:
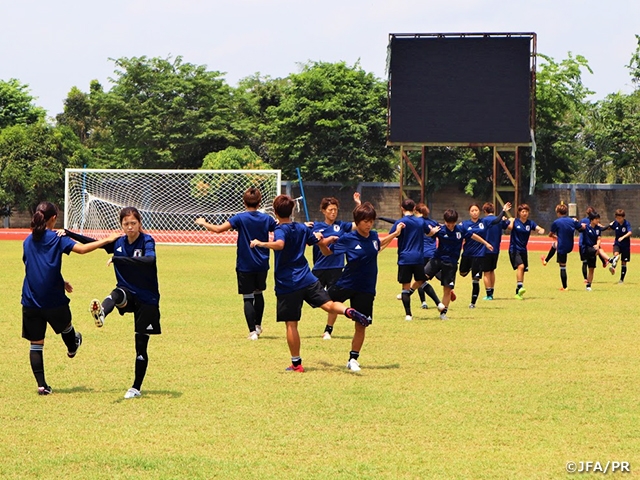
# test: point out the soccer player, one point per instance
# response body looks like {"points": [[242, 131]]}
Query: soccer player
{"points": [[252, 264], [358, 280], [445, 261], [294, 281], [520, 229], [328, 269], [428, 250], [473, 252], [622, 243], [589, 250], [493, 234], [562, 230], [134, 263], [410, 253], [583, 255], [43, 290]]}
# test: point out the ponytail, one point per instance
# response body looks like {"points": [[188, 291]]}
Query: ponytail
{"points": [[44, 211]]}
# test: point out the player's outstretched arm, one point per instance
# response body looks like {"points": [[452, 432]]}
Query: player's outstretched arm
{"points": [[213, 228], [83, 248], [389, 238], [275, 245], [478, 238]]}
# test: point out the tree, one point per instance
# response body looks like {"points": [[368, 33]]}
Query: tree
{"points": [[634, 64], [32, 162], [163, 113], [330, 122], [16, 105], [233, 158]]}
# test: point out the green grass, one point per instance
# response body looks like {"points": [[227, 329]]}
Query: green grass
{"points": [[512, 389]]}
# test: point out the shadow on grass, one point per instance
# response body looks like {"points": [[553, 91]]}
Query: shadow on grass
{"points": [[78, 389], [150, 394], [342, 367]]}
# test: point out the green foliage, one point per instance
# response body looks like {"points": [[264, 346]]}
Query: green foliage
{"points": [[634, 64], [330, 122], [232, 158], [32, 162], [16, 105]]}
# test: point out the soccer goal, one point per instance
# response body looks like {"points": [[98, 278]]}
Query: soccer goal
{"points": [[168, 200]]}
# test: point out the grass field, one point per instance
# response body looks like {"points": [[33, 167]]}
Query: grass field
{"points": [[512, 389]]}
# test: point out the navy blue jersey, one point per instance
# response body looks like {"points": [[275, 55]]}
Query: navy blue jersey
{"points": [[581, 235], [361, 272], [410, 243], [337, 229], [250, 225], [563, 228], [135, 267], [473, 248], [429, 243], [291, 271], [620, 230], [520, 234], [43, 285], [590, 236], [493, 232], [450, 243]]}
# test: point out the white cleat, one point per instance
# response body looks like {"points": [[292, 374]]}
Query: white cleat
{"points": [[253, 336], [132, 393], [97, 312], [408, 318], [441, 307], [353, 365], [399, 296], [326, 336], [259, 330]]}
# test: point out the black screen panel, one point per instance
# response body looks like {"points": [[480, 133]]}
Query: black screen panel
{"points": [[460, 90]]}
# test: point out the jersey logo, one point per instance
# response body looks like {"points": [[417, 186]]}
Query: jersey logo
{"points": [[527, 228], [375, 244], [336, 228], [458, 235], [137, 252], [150, 327], [119, 249], [358, 247]]}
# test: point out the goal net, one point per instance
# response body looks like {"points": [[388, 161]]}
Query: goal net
{"points": [[168, 200]]}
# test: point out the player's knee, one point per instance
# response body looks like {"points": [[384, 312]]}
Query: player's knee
{"points": [[248, 296], [119, 297]]}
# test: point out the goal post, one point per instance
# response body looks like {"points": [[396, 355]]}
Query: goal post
{"points": [[168, 200]]}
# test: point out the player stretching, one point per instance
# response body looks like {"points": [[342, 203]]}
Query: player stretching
{"points": [[521, 228], [358, 280], [43, 290], [328, 269], [473, 252], [590, 249], [445, 260], [252, 264], [295, 283], [562, 230], [134, 263], [493, 227], [622, 243]]}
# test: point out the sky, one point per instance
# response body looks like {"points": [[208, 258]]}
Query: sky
{"points": [[53, 46]]}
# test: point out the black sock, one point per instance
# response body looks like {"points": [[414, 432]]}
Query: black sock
{"points": [[353, 354], [406, 301], [489, 292], [296, 361], [475, 291], [563, 276], [142, 359], [116, 297], [69, 338], [584, 270], [421, 293], [623, 272], [258, 305], [36, 359], [518, 287], [328, 329], [552, 252], [428, 289], [250, 313]]}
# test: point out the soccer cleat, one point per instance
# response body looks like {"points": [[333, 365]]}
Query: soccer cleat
{"points": [[544, 260], [620, 281], [443, 316], [453, 296], [441, 307], [472, 305], [612, 269], [326, 336], [488, 297], [252, 336], [518, 297], [78, 343], [424, 305], [562, 289], [259, 330], [295, 368], [46, 390], [132, 393], [356, 316], [522, 291], [399, 296], [97, 312], [353, 365], [588, 289], [408, 318]]}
